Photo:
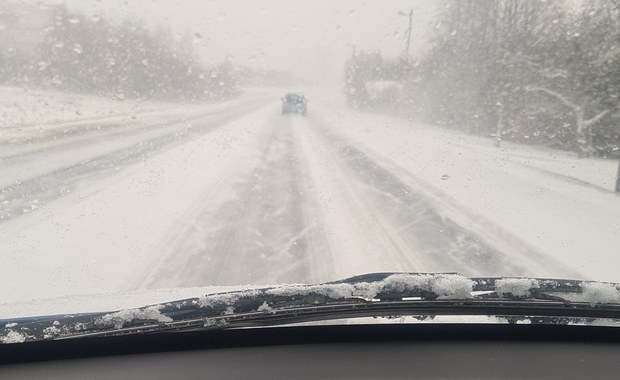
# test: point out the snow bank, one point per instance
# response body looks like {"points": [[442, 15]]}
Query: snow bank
{"points": [[21, 107]]}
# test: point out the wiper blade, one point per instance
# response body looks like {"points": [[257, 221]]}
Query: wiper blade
{"points": [[370, 295]]}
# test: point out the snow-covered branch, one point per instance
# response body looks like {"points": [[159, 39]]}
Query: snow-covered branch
{"points": [[596, 118], [568, 103], [555, 94]]}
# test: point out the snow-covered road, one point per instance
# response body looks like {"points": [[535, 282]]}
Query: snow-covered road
{"points": [[239, 194]]}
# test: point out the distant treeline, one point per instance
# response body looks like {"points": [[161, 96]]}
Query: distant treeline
{"points": [[539, 72], [125, 60]]}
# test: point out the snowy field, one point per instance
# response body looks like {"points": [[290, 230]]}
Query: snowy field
{"points": [[235, 193]]}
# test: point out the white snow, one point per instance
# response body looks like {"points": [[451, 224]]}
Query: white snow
{"points": [[599, 292], [13, 337], [265, 308], [517, 287], [445, 286], [120, 318], [452, 287], [50, 332], [224, 298], [29, 114], [345, 224], [334, 291], [22, 107]]}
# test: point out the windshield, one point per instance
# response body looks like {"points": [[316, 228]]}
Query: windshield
{"points": [[294, 98], [152, 150]]}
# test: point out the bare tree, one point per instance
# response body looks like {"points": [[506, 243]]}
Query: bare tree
{"points": [[583, 125]]}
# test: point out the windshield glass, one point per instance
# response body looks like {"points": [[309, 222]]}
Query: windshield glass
{"points": [[294, 98], [151, 149]]}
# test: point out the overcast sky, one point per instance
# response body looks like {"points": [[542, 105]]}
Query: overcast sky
{"points": [[308, 36]]}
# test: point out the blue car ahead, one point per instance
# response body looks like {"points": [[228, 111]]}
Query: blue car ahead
{"points": [[295, 103]]}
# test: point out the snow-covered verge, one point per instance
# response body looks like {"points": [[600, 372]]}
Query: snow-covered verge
{"points": [[20, 107], [30, 117], [596, 172], [561, 206], [83, 139]]}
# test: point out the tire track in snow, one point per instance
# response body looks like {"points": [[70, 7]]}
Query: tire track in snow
{"points": [[310, 206], [348, 236], [427, 238], [258, 235]]}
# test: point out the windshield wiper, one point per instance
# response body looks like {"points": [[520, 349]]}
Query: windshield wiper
{"points": [[371, 295]]}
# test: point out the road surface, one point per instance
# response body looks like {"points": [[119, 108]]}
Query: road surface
{"points": [[240, 194]]}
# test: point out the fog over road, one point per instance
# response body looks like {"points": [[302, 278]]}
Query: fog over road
{"points": [[240, 194]]}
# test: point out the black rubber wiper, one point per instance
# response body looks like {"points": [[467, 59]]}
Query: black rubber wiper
{"points": [[371, 295]]}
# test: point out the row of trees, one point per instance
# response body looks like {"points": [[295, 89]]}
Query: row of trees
{"points": [[542, 72], [93, 55]]}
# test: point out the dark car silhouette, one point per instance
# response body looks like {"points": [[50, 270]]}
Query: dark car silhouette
{"points": [[295, 103]]}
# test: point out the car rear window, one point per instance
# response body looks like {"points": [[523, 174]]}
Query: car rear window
{"points": [[293, 98]]}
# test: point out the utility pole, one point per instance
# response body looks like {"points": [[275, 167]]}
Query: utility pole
{"points": [[410, 15]]}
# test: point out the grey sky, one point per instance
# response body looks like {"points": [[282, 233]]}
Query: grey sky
{"points": [[312, 37]]}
